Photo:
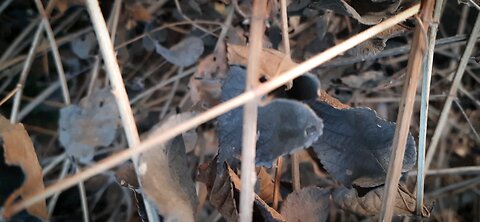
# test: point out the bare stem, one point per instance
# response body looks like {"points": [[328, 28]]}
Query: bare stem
{"points": [[250, 111], [419, 47], [55, 52], [427, 76], [118, 87]]}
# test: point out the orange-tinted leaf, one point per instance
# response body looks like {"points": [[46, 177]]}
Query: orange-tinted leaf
{"points": [[19, 151]]}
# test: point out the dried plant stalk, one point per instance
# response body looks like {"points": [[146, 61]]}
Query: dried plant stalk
{"points": [[399, 143]]}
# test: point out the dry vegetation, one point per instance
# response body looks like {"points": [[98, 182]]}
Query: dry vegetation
{"points": [[239, 110]]}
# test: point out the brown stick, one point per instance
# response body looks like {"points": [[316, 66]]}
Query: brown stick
{"points": [[414, 69]]}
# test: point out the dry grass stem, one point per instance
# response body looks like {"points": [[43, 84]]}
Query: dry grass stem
{"points": [[414, 68], [250, 112]]}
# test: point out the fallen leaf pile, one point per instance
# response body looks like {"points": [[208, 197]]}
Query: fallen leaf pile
{"points": [[323, 140]]}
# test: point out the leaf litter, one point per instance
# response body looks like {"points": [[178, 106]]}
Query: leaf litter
{"points": [[349, 145]]}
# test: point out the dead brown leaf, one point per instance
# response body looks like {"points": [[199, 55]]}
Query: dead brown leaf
{"points": [[139, 13], [370, 203], [19, 151], [310, 204], [165, 176], [224, 190], [272, 61], [206, 83], [272, 64]]}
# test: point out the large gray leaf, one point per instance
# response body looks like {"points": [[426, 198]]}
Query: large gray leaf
{"points": [[184, 53], [93, 123], [283, 125], [356, 144]]}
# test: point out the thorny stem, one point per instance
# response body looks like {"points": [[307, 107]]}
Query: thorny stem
{"points": [[215, 111]]}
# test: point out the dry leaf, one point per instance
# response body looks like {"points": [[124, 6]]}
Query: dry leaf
{"points": [[356, 144], [126, 176], [239, 56], [370, 203], [206, 83], [83, 46], [265, 185], [63, 5], [272, 62], [139, 13], [165, 176], [183, 54], [18, 151], [310, 204], [224, 187], [93, 123]]}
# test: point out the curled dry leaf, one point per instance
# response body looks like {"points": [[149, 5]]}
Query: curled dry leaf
{"points": [[18, 151], [93, 123], [370, 203], [272, 62], [283, 125], [206, 83], [165, 176], [224, 186], [183, 54], [356, 144], [310, 204]]}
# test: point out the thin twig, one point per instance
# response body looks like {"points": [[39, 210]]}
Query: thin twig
{"points": [[23, 76], [162, 84], [83, 197], [53, 201], [112, 26], [118, 87], [18, 40], [250, 112], [452, 93], [56, 54], [8, 96], [276, 187], [173, 91], [462, 111], [215, 111], [419, 47], [446, 171], [4, 5], [427, 75]]}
